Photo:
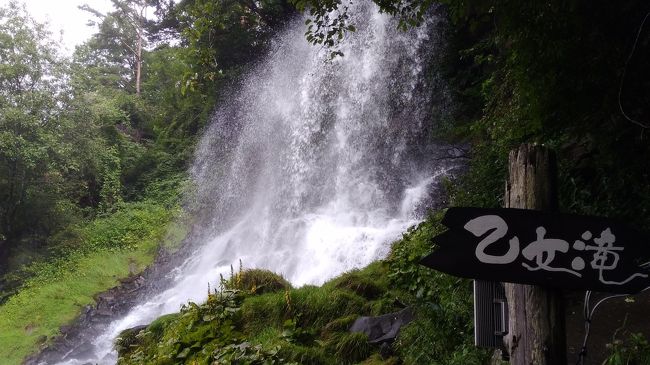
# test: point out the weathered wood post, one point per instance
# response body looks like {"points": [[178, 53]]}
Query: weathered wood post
{"points": [[536, 332]]}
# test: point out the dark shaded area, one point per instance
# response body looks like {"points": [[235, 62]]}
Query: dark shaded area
{"points": [[614, 321], [551, 73]]}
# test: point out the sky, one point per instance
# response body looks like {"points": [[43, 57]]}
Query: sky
{"points": [[63, 15]]}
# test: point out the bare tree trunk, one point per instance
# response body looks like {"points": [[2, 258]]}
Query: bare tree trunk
{"points": [[138, 61], [536, 333], [139, 15]]}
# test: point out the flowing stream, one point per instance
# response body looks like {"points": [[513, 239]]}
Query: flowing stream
{"points": [[311, 168]]}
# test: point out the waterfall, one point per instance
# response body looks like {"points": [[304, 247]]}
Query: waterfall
{"points": [[310, 168]]}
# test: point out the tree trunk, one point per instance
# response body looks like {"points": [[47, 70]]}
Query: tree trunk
{"points": [[138, 61], [536, 333]]}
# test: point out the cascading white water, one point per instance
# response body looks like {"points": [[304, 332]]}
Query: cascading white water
{"points": [[311, 168]]}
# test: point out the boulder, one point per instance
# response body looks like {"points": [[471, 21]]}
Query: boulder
{"points": [[383, 328]]}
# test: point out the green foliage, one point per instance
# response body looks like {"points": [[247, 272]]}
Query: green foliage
{"points": [[329, 20], [110, 192], [328, 24], [338, 325], [293, 333], [483, 185], [305, 355], [75, 143], [128, 338], [190, 335], [403, 261], [350, 348], [115, 51], [246, 354], [282, 326], [257, 281], [67, 150], [34, 160], [242, 326], [114, 123], [310, 325], [178, 116], [440, 336], [552, 73], [634, 351], [311, 306], [224, 36], [93, 257], [363, 283], [442, 330], [124, 228], [376, 359]]}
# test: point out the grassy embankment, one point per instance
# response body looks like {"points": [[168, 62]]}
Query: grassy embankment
{"points": [[258, 318], [97, 254]]}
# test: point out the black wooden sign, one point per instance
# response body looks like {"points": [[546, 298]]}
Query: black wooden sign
{"points": [[547, 249]]}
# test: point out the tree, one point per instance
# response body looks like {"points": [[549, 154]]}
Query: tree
{"points": [[121, 37], [33, 148], [329, 19], [224, 36], [60, 150]]}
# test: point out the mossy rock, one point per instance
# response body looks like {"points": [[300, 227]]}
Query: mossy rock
{"points": [[363, 286], [338, 325], [258, 281], [128, 339], [157, 327], [317, 307]]}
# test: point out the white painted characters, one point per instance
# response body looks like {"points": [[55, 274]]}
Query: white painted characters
{"points": [[541, 253]]}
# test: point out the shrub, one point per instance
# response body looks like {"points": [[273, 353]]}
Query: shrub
{"points": [[258, 281]]}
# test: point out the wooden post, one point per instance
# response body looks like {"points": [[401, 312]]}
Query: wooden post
{"points": [[536, 333]]}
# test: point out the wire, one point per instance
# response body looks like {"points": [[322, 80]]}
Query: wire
{"points": [[588, 313], [620, 88]]}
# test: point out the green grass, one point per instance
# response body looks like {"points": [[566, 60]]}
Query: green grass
{"points": [[310, 324], [352, 348], [109, 248], [257, 281], [278, 324]]}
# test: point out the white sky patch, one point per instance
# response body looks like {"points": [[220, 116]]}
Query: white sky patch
{"points": [[66, 21]]}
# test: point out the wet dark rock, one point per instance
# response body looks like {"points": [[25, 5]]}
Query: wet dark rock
{"points": [[85, 349], [456, 152], [384, 328]]}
